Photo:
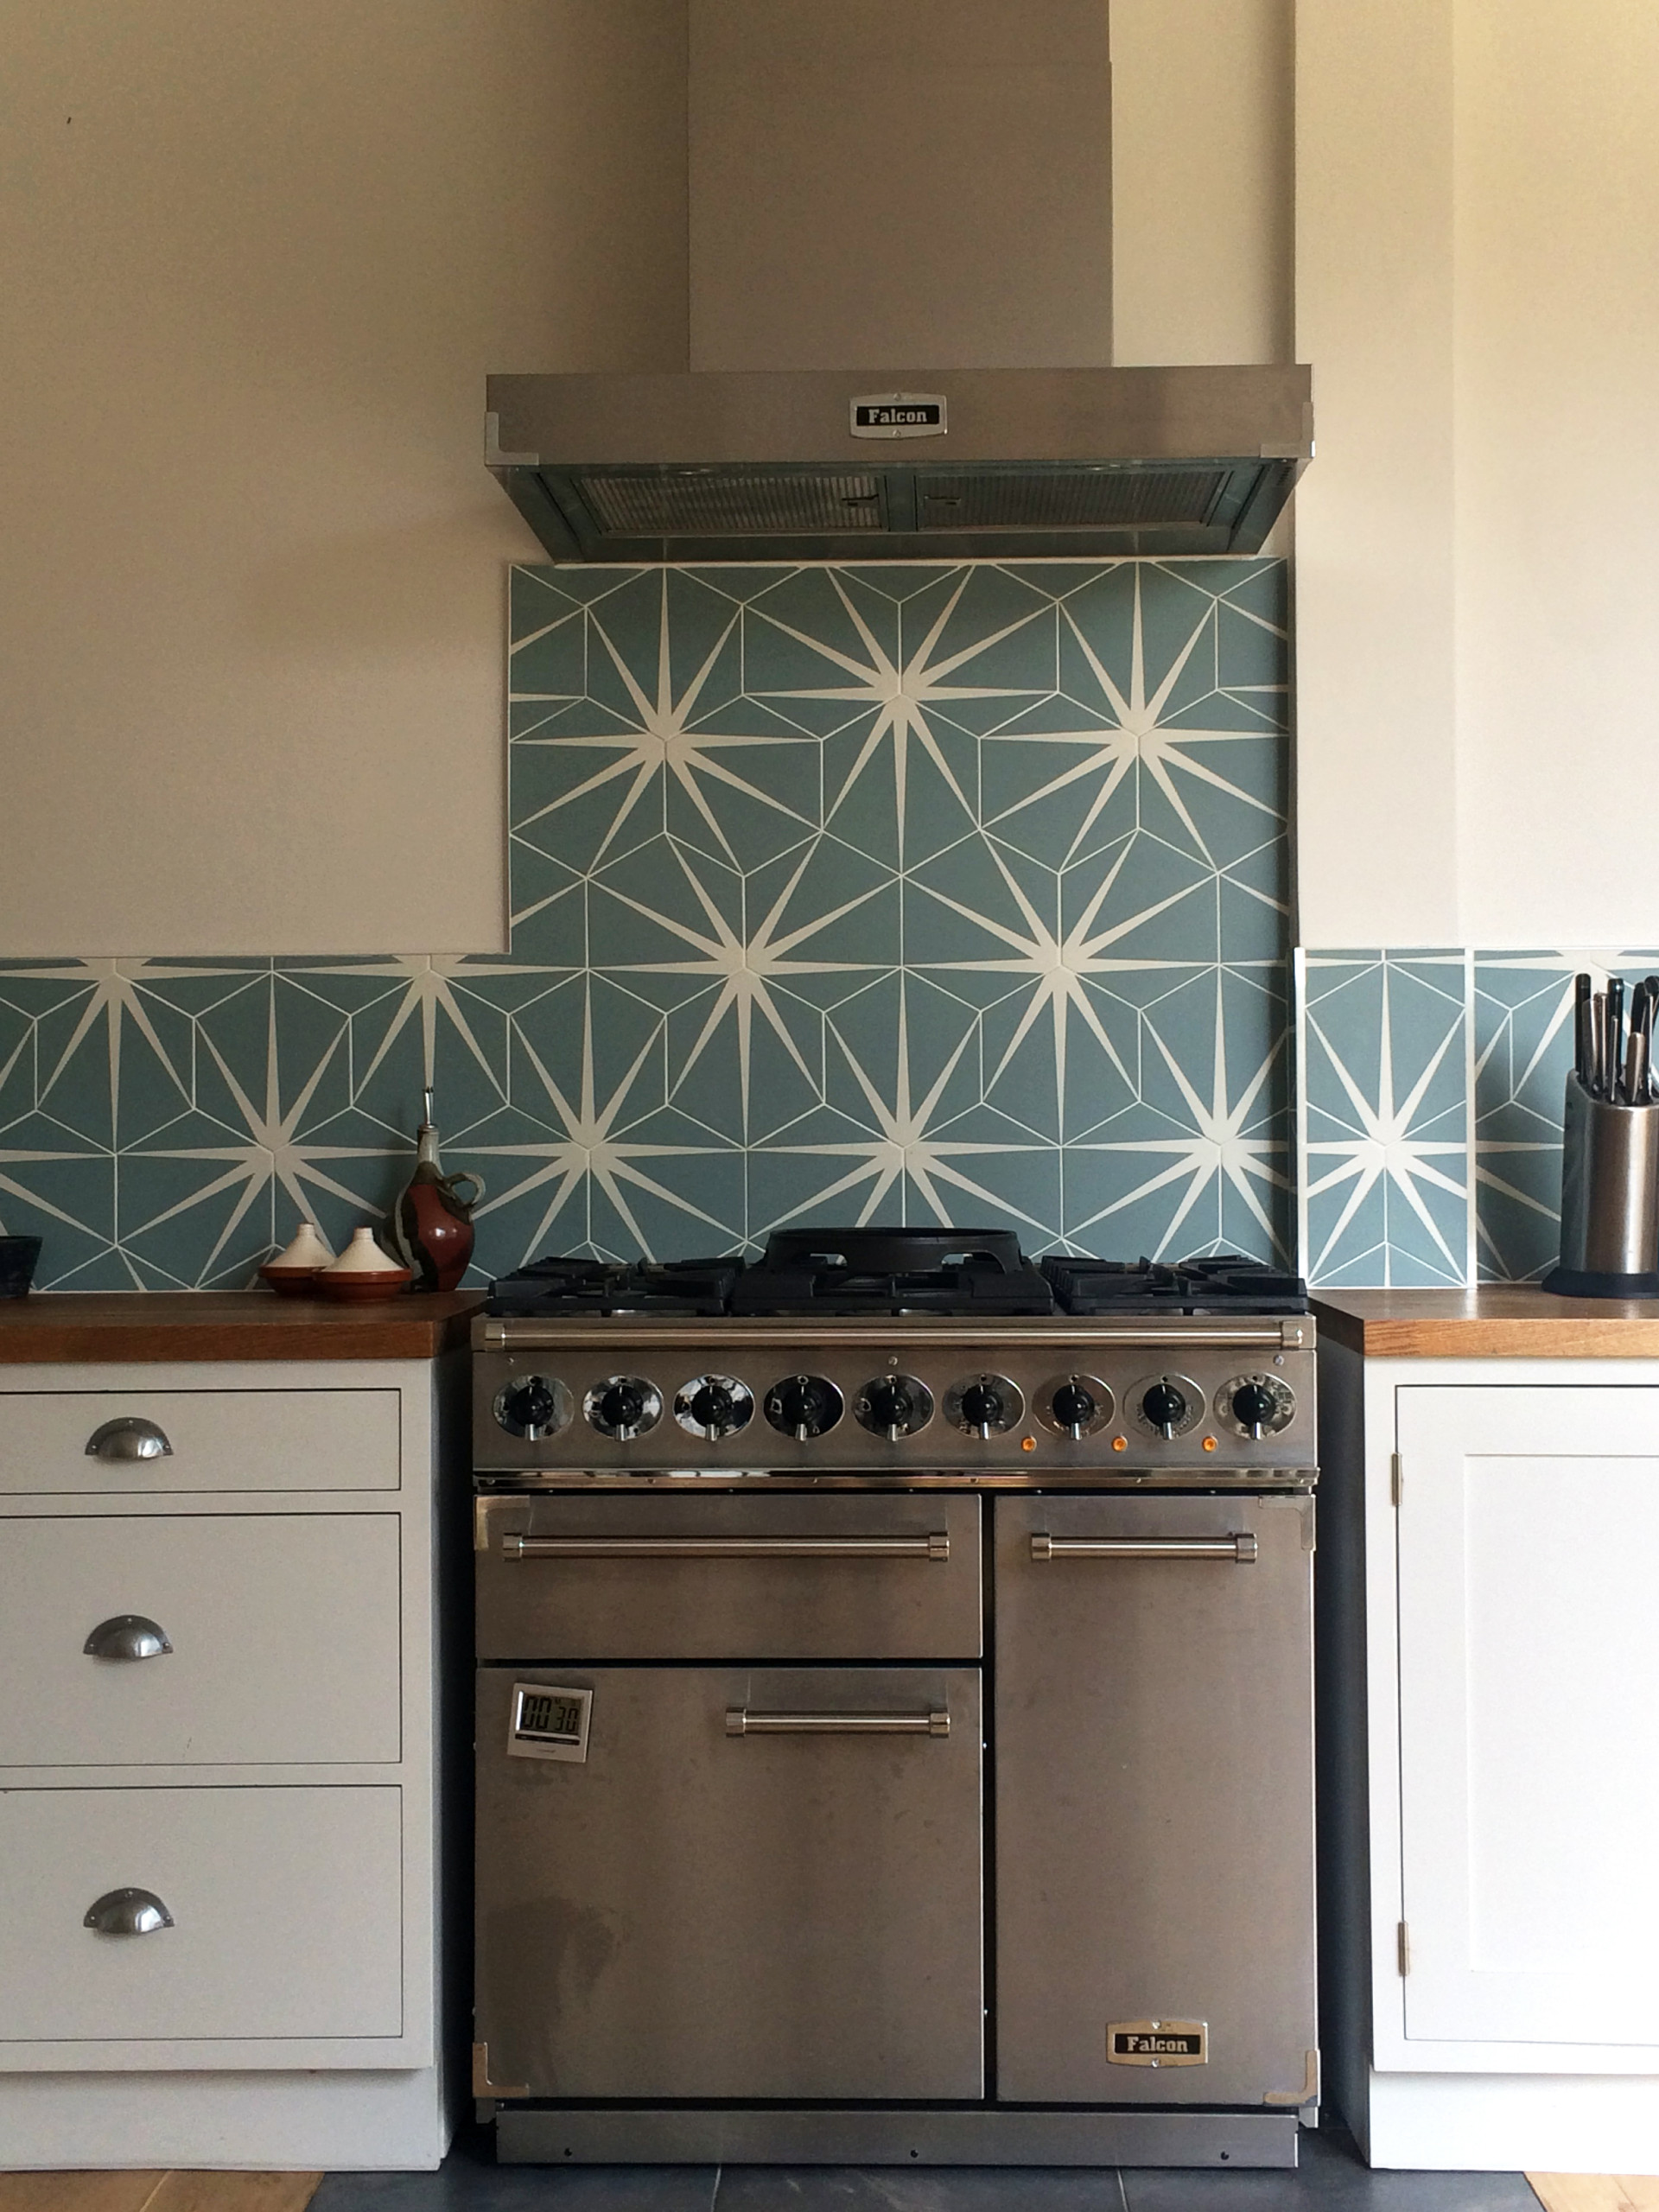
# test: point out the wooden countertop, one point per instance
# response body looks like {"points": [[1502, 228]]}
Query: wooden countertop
{"points": [[1499, 1321], [113, 1326]]}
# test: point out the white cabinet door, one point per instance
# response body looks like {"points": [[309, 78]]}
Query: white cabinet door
{"points": [[1529, 1594]]}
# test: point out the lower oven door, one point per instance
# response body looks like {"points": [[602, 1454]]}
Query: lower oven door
{"points": [[757, 1882], [1154, 1800]]}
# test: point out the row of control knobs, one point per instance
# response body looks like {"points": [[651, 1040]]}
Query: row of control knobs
{"points": [[624, 1406]]}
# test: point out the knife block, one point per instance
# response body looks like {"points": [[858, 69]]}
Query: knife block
{"points": [[1610, 1199]]}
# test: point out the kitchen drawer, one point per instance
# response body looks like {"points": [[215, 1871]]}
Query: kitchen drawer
{"points": [[286, 1907], [652, 1576], [283, 1628], [220, 1440]]}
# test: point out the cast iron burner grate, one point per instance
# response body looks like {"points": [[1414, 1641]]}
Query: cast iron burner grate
{"points": [[1224, 1283], [961, 1271], [562, 1286]]}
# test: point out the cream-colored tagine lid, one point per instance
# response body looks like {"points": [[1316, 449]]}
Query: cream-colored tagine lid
{"points": [[363, 1256], [309, 1249]]}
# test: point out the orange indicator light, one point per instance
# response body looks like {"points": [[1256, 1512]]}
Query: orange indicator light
{"points": [[1209, 1443], [1120, 1443], [1027, 1444]]}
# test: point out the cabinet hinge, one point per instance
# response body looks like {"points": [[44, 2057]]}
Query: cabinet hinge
{"points": [[1397, 1477], [1405, 1950]]}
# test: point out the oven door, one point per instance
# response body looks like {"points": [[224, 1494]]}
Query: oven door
{"points": [[1154, 1800], [731, 1882]]}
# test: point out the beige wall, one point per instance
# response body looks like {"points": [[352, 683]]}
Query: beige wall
{"points": [[1377, 845], [1558, 471], [255, 263], [1478, 288]]}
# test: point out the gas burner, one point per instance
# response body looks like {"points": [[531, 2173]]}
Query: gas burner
{"points": [[568, 1285], [1225, 1283], [960, 1271]]}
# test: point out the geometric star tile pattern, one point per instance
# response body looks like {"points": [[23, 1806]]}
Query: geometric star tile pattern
{"points": [[885, 893], [1384, 1193], [1429, 1135], [1523, 1008]]}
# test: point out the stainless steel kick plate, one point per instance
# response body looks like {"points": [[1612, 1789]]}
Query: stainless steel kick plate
{"points": [[1158, 2042]]}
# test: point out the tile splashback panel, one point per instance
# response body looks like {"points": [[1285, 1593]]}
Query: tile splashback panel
{"points": [[1429, 1122], [880, 893]]}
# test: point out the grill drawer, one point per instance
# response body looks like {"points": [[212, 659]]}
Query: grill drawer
{"points": [[782, 1577]]}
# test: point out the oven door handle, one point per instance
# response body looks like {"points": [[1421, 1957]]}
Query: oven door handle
{"points": [[739, 1721], [934, 1546], [1241, 1549]]}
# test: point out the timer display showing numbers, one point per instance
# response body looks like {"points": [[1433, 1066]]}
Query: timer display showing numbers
{"points": [[549, 1723]]}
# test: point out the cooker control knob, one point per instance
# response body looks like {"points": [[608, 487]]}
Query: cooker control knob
{"points": [[714, 1406], [533, 1406], [1074, 1407], [894, 1406], [1169, 1405], [1256, 1405], [623, 1406], [803, 1406], [985, 1405]]}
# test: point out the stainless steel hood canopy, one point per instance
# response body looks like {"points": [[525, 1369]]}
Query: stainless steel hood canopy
{"points": [[897, 182], [917, 464]]}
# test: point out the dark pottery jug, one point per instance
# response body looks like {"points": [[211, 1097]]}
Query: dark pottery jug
{"points": [[430, 1225]]}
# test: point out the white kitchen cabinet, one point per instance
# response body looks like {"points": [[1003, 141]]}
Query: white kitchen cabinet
{"points": [[1490, 1756], [259, 1755]]}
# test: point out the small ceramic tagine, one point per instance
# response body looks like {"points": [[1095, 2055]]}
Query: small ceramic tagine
{"points": [[290, 1273], [361, 1272], [430, 1226]]}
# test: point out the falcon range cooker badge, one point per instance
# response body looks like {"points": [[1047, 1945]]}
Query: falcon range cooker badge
{"points": [[1158, 2042], [898, 415]]}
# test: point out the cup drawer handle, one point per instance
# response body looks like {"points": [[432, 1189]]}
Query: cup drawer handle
{"points": [[127, 1636], [131, 1437], [127, 1912]]}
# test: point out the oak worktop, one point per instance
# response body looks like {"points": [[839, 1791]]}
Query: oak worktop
{"points": [[109, 1326], [1498, 1321]]}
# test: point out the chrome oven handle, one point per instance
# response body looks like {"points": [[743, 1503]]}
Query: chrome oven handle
{"points": [[739, 1721], [1241, 1548], [935, 1545]]}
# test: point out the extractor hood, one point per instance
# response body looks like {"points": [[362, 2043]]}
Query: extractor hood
{"points": [[868, 179]]}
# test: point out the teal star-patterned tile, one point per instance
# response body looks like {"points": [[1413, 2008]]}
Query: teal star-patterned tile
{"points": [[1386, 1185], [921, 890]]}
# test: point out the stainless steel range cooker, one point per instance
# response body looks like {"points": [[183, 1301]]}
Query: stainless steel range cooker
{"points": [[894, 1709]]}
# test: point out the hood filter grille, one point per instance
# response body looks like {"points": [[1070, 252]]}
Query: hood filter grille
{"points": [[1069, 498], [707, 503]]}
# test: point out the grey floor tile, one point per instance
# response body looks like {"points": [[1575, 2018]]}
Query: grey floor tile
{"points": [[470, 2181], [936, 2188], [1331, 2177]]}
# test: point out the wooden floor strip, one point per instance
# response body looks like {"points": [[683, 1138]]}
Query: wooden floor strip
{"points": [[1596, 2192], [157, 2192], [206, 2192], [77, 2192]]}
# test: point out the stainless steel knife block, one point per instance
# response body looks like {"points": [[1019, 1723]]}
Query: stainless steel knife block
{"points": [[1610, 1199]]}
